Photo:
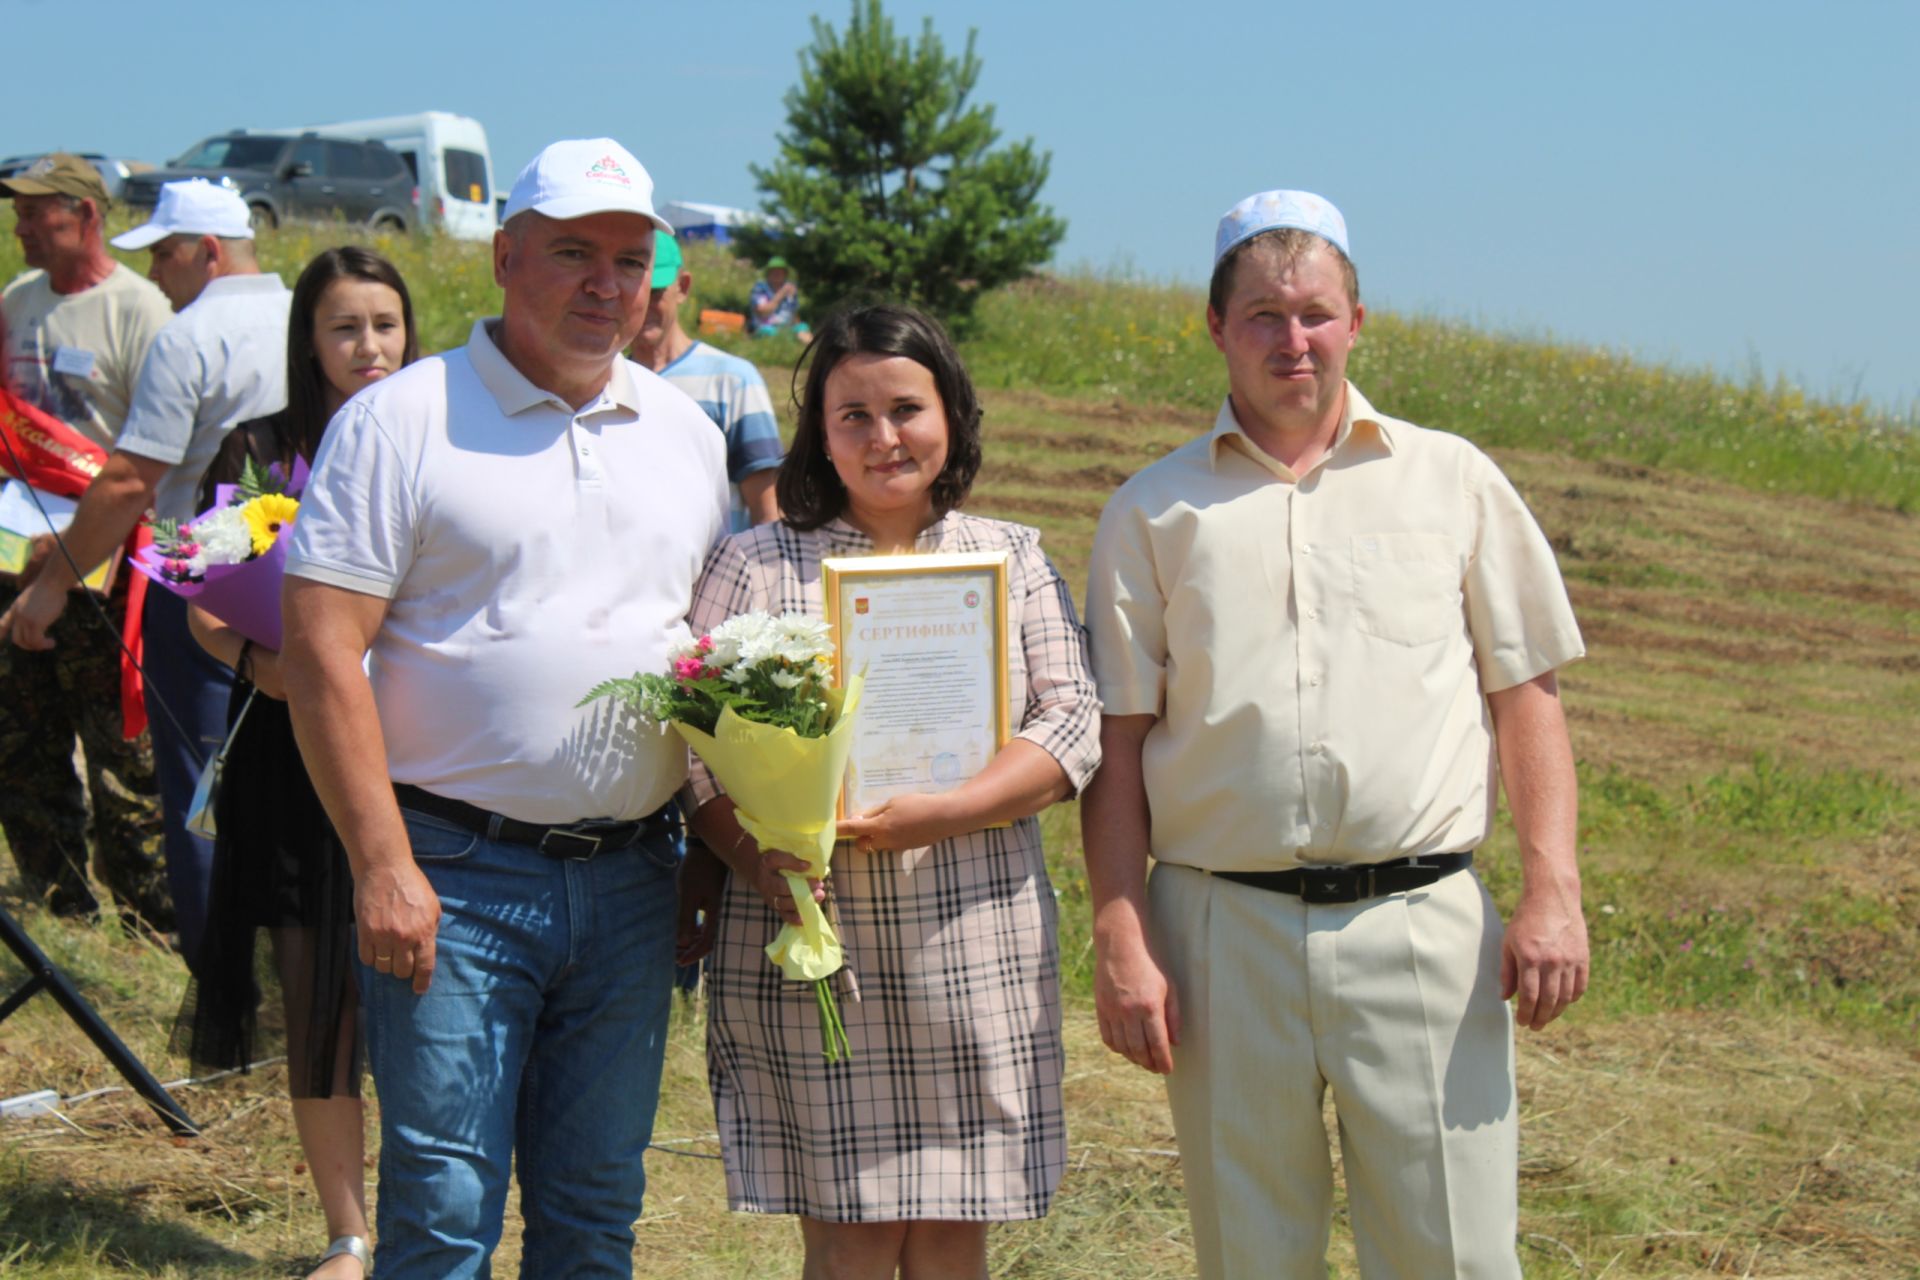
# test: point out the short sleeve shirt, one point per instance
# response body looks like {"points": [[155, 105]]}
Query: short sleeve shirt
{"points": [[218, 363], [1317, 649], [730, 391], [529, 551], [78, 355], [784, 314]]}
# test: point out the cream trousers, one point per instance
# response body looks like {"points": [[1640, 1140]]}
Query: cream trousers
{"points": [[1395, 1004]]}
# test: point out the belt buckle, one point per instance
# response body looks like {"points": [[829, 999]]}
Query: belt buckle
{"points": [[1330, 885], [584, 845]]}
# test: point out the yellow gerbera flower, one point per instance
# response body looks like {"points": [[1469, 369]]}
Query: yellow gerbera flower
{"points": [[266, 516]]}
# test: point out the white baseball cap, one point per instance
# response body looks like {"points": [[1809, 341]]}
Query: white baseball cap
{"points": [[1267, 210], [192, 207], [581, 176]]}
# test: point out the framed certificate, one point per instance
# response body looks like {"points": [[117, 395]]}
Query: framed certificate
{"points": [[930, 631]]}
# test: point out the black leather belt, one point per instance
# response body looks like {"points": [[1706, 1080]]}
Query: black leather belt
{"points": [[570, 841], [1354, 884]]}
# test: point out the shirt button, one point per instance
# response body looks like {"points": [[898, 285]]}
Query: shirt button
{"points": [[1313, 615], [1315, 681], [1306, 548], [1319, 748]]}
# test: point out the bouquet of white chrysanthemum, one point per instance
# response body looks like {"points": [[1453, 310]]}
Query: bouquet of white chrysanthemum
{"points": [[754, 698], [773, 671]]}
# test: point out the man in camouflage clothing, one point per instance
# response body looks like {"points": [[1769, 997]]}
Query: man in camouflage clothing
{"points": [[77, 328]]}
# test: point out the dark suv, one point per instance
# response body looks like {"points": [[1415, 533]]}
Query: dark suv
{"points": [[283, 176]]}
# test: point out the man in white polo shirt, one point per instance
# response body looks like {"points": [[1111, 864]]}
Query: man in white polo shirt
{"points": [[502, 528], [220, 361], [1316, 630]]}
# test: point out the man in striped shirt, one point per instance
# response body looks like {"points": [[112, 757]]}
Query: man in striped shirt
{"points": [[728, 388]]}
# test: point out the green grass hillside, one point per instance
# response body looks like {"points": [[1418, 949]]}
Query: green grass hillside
{"points": [[1739, 1094]]}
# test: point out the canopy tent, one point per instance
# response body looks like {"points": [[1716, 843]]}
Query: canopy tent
{"points": [[695, 221]]}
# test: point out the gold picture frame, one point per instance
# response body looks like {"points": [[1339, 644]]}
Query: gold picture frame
{"points": [[930, 631]]}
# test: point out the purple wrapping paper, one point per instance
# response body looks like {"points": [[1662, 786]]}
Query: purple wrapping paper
{"points": [[244, 596]]}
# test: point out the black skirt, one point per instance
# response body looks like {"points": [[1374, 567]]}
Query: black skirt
{"points": [[278, 868]]}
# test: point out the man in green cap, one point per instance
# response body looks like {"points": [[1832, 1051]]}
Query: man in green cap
{"points": [[78, 327], [774, 305], [728, 389]]}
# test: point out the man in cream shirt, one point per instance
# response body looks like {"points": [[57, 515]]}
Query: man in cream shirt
{"points": [[1317, 633], [501, 528]]}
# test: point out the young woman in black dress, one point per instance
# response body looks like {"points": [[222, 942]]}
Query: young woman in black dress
{"points": [[278, 866]]}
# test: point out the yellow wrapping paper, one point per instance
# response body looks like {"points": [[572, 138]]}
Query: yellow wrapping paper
{"points": [[785, 789]]}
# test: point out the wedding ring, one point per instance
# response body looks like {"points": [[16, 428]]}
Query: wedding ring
{"points": [[378, 958]]}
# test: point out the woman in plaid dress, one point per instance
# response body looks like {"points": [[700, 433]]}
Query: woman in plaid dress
{"points": [[948, 1115]]}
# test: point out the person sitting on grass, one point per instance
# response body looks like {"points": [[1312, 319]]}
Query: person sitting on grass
{"points": [[774, 305]]}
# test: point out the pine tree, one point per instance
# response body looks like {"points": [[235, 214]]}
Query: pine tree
{"points": [[888, 183]]}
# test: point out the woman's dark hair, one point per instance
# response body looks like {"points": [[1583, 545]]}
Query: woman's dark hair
{"points": [[306, 416], [809, 489]]}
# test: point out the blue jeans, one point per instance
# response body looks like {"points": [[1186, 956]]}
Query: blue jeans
{"points": [[541, 1036], [187, 693]]}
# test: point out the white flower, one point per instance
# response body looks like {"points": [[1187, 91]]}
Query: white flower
{"points": [[802, 639], [224, 537], [735, 640], [750, 641], [784, 679]]}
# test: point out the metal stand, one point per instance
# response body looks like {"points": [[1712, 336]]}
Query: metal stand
{"points": [[44, 975]]}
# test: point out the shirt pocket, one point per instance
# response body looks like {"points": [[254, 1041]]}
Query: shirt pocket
{"points": [[1406, 587]]}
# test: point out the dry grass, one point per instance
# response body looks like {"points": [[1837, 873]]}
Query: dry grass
{"points": [[1673, 1144], [1739, 1095]]}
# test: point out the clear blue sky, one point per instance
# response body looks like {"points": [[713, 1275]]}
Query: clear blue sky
{"points": [[1722, 184]]}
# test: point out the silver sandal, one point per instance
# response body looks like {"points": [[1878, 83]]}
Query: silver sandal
{"points": [[354, 1247]]}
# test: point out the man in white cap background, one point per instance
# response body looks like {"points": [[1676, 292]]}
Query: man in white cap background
{"points": [[501, 528], [1317, 630], [221, 360], [78, 328]]}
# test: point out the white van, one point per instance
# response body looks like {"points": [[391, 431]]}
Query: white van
{"points": [[452, 169]]}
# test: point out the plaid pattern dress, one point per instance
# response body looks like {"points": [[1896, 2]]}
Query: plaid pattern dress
{"points": [[950, 1107]]}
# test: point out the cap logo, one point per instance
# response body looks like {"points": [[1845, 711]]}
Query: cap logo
{"points": [[43, 165], [607, 169]]}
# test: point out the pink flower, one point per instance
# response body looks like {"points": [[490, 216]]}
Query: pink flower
{"points": [[703, 645], [687, 669]]}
